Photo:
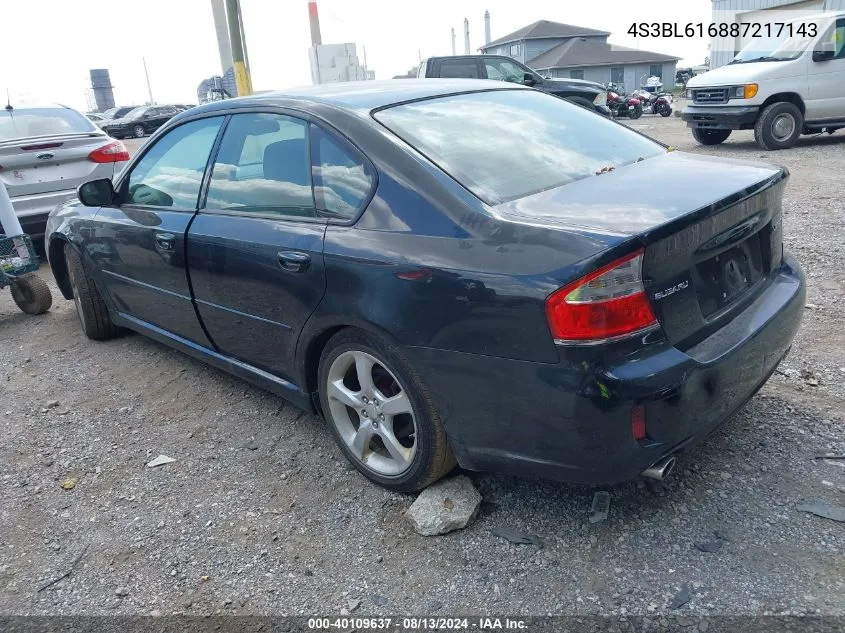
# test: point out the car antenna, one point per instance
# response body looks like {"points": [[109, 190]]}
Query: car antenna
{"points": [[8, 101]]}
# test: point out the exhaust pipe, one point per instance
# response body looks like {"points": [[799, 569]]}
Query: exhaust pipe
{"points": [[660, 470]]}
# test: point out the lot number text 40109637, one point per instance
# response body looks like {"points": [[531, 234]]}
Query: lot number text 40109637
{"points": [[724, 29]]}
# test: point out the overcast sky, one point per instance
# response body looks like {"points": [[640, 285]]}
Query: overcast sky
{"points": [[47, 46]]}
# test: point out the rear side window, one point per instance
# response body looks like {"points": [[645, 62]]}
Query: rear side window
{"points": [[263, 167], [459, 68], [42, 122], [170, 174], [507, 144], [342, 178]]}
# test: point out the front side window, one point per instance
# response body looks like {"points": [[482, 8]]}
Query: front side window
{"points": [[263, 167], [459, 68], [170, 173], [507, 144], [342, 178], [503, 70], [834, 39]]}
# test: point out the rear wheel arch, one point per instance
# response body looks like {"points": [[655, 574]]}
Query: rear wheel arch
{"points": [[314, 340], [58, 244]]}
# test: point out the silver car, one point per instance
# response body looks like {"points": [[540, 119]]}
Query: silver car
{"points": [[45, 153]]}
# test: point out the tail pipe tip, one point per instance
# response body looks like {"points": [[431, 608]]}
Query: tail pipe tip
{"points": [[661, 469]]}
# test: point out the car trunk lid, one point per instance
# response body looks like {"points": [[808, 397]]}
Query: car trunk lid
{"points": [[711, 230], [46, 164]]}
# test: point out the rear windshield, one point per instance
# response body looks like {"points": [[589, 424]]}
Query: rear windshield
{"points": [[507, 144], [42, 122]]}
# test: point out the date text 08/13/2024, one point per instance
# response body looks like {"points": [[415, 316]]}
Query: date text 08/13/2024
{"points": [[724, 29], [416, 624]]}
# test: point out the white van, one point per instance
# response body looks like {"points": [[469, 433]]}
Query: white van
{"points": [[781, 87]]}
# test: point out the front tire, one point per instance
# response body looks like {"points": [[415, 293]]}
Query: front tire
{"points": [[710, 137], [92, 310], [381, 414], [32, 294], [138, 131], [779, 126]]}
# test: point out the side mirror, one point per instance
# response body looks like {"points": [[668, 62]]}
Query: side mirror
{"points": [[528, 79], [96, 193], [824, 52]]}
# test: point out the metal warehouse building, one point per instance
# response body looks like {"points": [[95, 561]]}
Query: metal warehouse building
{"points": [[723, 49], [563, 50]]}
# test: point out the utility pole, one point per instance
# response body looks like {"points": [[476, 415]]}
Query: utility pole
{"points": [[147, 75], [243, 43], [454, 50], [221, 28], [242, 78]]}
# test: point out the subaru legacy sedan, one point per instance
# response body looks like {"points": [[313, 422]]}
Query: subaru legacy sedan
{"points": [[446, 271]]}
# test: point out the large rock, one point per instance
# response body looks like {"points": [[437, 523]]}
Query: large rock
{"points": [[448, 505]]}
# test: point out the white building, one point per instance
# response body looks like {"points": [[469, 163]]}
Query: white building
{"points": [[753, 12], [336, 62]]}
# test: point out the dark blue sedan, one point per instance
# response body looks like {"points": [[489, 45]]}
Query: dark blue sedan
{"points": [[448, 272]]}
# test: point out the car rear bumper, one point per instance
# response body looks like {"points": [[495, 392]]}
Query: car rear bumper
{"points": [[572, 421], [721, 117], [32, 211]]}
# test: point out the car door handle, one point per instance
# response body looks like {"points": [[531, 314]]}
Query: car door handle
{"points": [[165, 241], [294, 261]]}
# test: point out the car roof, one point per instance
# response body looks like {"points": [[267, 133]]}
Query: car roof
{"points": [[363, 95]]}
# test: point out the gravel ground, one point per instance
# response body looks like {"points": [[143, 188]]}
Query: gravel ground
{"points": [[260, 513]]}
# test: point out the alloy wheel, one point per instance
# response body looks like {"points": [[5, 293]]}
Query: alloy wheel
{"points": [[372, 413]]}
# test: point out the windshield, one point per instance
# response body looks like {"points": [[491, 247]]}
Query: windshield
{"points": [[135, 112], [42, 122], [507, 144], [786, 41]]}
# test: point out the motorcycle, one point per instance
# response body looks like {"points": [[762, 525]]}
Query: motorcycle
{"points": [[622, 105], [654, 103]]}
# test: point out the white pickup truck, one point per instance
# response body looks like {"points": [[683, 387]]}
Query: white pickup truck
{"points": [[780, 87]]}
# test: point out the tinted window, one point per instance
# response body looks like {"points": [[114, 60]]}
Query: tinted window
{"points": [[42, 122], [506, 144], [263, 167], [170, 174], [835, 35], [503, 70], [342, 178], [466, 69]]}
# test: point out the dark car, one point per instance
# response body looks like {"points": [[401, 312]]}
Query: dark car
{"points": [[444, 270], [140, 121], [588, 94], [117, 112]]}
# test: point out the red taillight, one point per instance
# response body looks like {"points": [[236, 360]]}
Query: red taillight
{"points": [[114, 152], [638, 422], [607, 303]]}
